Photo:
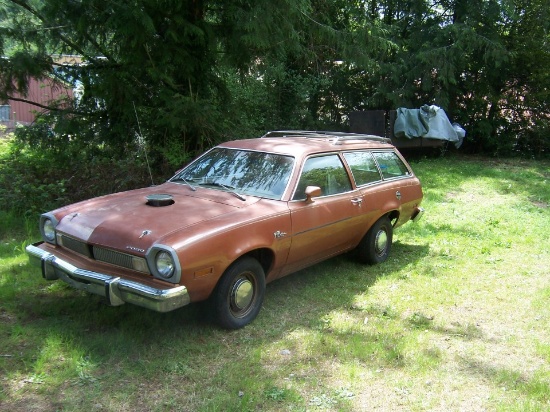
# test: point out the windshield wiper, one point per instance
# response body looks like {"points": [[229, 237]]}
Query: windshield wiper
{"points": [[230, 189], [193, 188]]}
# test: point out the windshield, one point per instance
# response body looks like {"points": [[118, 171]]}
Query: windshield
{"points": [[240, 171]]}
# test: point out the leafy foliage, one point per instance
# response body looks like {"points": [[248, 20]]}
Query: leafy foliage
{"points": [[180, 76], [33, 180]]}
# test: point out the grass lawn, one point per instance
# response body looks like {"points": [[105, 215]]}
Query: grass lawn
{"points": [[457, 319]]}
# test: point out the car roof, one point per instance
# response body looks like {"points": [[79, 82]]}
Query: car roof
{"points": [[298, 142]]}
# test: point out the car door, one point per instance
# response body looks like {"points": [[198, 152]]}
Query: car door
{"points": [[323, 226]]}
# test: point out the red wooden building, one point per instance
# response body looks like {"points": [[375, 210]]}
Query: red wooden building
{"points": [[22, 109]]}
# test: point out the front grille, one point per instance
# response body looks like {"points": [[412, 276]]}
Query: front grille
{"points": [[114, 258], [75, 245], [103, 255], [119, 259]]}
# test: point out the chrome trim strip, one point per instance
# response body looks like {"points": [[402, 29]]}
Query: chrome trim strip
{"points": [[117, 291]]}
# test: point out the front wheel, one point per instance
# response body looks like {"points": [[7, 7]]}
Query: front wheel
{"points": [[376, 245], [240, 293]]}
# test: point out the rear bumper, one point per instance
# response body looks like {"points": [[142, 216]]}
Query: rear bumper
{"points": [[418, 213], [117, 291]]}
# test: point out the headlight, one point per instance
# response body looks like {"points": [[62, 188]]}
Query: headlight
{"points": [[48, 222], [49, 230], [165, 265]]}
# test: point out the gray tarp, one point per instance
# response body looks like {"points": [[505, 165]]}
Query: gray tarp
{"points": [[430, 122]]}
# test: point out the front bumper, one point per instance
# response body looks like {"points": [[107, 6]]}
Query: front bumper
{"points": [[117, 291]]}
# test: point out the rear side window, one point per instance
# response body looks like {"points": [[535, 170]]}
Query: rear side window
{"points": [[363, 167], [390, 165], [326, 172]]}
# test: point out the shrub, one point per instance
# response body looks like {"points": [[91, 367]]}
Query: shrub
{"points": [[35, 179]]}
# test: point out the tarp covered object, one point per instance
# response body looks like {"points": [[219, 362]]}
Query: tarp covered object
{"points": [[430, 122]]}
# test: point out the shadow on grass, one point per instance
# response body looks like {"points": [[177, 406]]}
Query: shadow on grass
{"points": [[52, 330], [85, 349], [466, 332], [531, 389]]}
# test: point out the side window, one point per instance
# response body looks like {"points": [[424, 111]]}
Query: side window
{"points": [[363, 167], [327, 172], [390, 165]]}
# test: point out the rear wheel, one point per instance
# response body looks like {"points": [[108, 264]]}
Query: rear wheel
{"points": [[240, 293], [376, 244]]}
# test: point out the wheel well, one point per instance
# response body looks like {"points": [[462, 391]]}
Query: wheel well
{"points": [[393, 216], [264, 256]]}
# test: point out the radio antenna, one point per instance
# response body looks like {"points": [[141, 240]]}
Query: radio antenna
{"points": [[141, 142]]}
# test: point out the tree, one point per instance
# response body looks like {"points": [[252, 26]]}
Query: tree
{"points": [[184, 70], [168, 63], [484, 61]]}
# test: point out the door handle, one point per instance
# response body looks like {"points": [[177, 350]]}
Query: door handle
{"points": [[357, 201]]}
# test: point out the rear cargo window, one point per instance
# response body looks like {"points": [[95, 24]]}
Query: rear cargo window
{"points": [[390, 165]]}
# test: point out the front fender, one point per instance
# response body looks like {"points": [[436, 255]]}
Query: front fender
{"points": [[205, 254]]}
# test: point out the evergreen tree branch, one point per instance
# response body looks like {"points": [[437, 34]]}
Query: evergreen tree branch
{"points": [[50, 108], [26, 6]]}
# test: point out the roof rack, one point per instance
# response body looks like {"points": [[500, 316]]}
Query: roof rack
{"points": [[338, 137]]}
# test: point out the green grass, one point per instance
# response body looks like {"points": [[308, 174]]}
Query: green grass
{"points": [[457, 319]]}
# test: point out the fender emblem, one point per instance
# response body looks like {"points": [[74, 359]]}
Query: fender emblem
{"points": [[278, 234]]}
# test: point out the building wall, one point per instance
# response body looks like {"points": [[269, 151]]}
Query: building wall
{"points": [[44, 92]]}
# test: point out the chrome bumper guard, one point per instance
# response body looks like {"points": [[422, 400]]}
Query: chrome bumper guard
{"points": [[117, 291], [417, 215]]}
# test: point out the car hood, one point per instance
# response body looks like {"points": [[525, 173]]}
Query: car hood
{"points": [[125, 221]]}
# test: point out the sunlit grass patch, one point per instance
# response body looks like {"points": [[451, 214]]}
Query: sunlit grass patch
{"points": [[455, 319]]}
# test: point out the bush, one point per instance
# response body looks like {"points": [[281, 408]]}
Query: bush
{"points": [[35, 179]]}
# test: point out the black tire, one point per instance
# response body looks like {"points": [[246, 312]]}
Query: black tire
{"points": [[239, 294], [376, 244]]}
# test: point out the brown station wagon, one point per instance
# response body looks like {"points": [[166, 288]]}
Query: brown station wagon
{"points": [[243, 214]]}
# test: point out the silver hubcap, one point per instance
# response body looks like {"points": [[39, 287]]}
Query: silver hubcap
{"points": [[242, 294], [381, 242]]}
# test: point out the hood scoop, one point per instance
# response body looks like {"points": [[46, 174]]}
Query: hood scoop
{"points": [[159, 200]]}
